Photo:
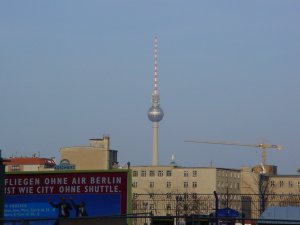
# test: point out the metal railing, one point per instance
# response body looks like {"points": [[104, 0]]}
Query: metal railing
{"points": [[189, 209], [205, 204], [143, 219]]}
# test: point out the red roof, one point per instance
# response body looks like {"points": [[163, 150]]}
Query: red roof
{"points": [[29, 161]]}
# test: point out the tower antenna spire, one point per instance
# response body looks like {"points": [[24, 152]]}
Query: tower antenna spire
{"points": [[155, 113], [155, 91]]}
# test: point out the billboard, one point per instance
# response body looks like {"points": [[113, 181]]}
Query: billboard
{"points": [[37, 195]]}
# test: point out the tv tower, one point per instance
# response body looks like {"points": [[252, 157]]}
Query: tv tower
{"points": [[155, 113]]}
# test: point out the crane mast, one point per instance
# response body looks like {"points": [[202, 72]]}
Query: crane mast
{"points": [[263, 146]]}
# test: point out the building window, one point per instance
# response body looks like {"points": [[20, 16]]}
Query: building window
{"points": [[298, 183], [160, 173], [151, 184], [151, 173], [194, 206], [194, 184], [169, 195], [15, 168], [169, 184], [135, 173], [186, 173], [134, 184], [194, 195], [272, 184], [185, 184], [194, 173], [281, 183], [143, 173], [290, 184], [168, 206], [169, 173]]}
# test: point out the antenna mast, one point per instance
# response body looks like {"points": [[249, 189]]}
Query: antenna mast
{"points": [[155, 113]]}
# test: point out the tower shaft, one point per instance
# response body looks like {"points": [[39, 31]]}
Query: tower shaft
{"points": [[155, 144], [155, 113]]}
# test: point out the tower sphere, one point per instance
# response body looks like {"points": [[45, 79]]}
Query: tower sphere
{"points": [[155, 114]]}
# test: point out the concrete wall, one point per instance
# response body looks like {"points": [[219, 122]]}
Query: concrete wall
{"points": [[97, 156]]}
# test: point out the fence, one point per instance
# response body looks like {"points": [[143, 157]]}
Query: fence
{"points": [[104, 220], [205, 204], [151, 220], [189, 209]]}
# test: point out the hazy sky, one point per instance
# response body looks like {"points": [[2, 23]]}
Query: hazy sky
{"points": [[228, 71]]}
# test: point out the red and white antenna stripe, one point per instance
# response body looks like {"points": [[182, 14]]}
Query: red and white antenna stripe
{"points": [[155, 64]]}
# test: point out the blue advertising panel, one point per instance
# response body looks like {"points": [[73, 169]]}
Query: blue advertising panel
{"points": [[40, 195]]}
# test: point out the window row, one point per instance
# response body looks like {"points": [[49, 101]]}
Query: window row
{"points": [[228, 185], [160, 173], [186, 173], [168, 184], [282, 184], [224, 173], [168, 206], [177, 197]]}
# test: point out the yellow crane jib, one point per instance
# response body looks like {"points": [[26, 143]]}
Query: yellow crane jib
{"points": [[262, 146]]}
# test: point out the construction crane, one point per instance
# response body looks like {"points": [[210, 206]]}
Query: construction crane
{"points": [[263, 146]]}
